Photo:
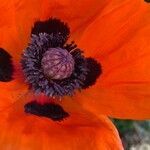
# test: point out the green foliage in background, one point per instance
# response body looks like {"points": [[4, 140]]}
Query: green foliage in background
{"points": [[133, 133], [124, 126]]}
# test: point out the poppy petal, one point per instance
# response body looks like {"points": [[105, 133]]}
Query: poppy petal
{"points": [[77, 14], [119, 39], [17, 19], [20, 15], [9, 36], [80, 131], [68, 11], [14, 90]]}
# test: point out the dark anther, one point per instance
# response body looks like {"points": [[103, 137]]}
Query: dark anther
{"points": [[94, 72], [6, 67], [52, 26], [148, 1], [49, 110]]}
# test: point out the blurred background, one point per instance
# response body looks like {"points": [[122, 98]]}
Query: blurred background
{"points": [[135, 135]]}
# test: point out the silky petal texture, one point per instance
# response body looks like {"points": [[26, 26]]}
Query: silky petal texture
{"points": [[14, 90], [8, 31], [17, 18], [79, 131], [20, 15], [119, 39], [78, 14]]}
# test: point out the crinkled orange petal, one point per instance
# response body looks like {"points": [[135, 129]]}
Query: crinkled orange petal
{"points": [[8, 32], [78, 14], [14, 90], [79, 131], [18, 17], [119, 39]]}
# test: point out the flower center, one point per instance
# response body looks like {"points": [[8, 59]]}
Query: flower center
{"points": [[53, 67], [57, 63]]}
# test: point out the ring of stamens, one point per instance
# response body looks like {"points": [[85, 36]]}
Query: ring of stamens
{"points": [[34, 60], [53, 67]]}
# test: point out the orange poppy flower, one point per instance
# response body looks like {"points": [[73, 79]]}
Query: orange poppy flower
{"points": [[114, 34]]}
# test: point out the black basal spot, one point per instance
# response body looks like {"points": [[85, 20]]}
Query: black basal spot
{"points": [[94, 71], [148, 1], [52, 26], [49, 110], [6, 67]]}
